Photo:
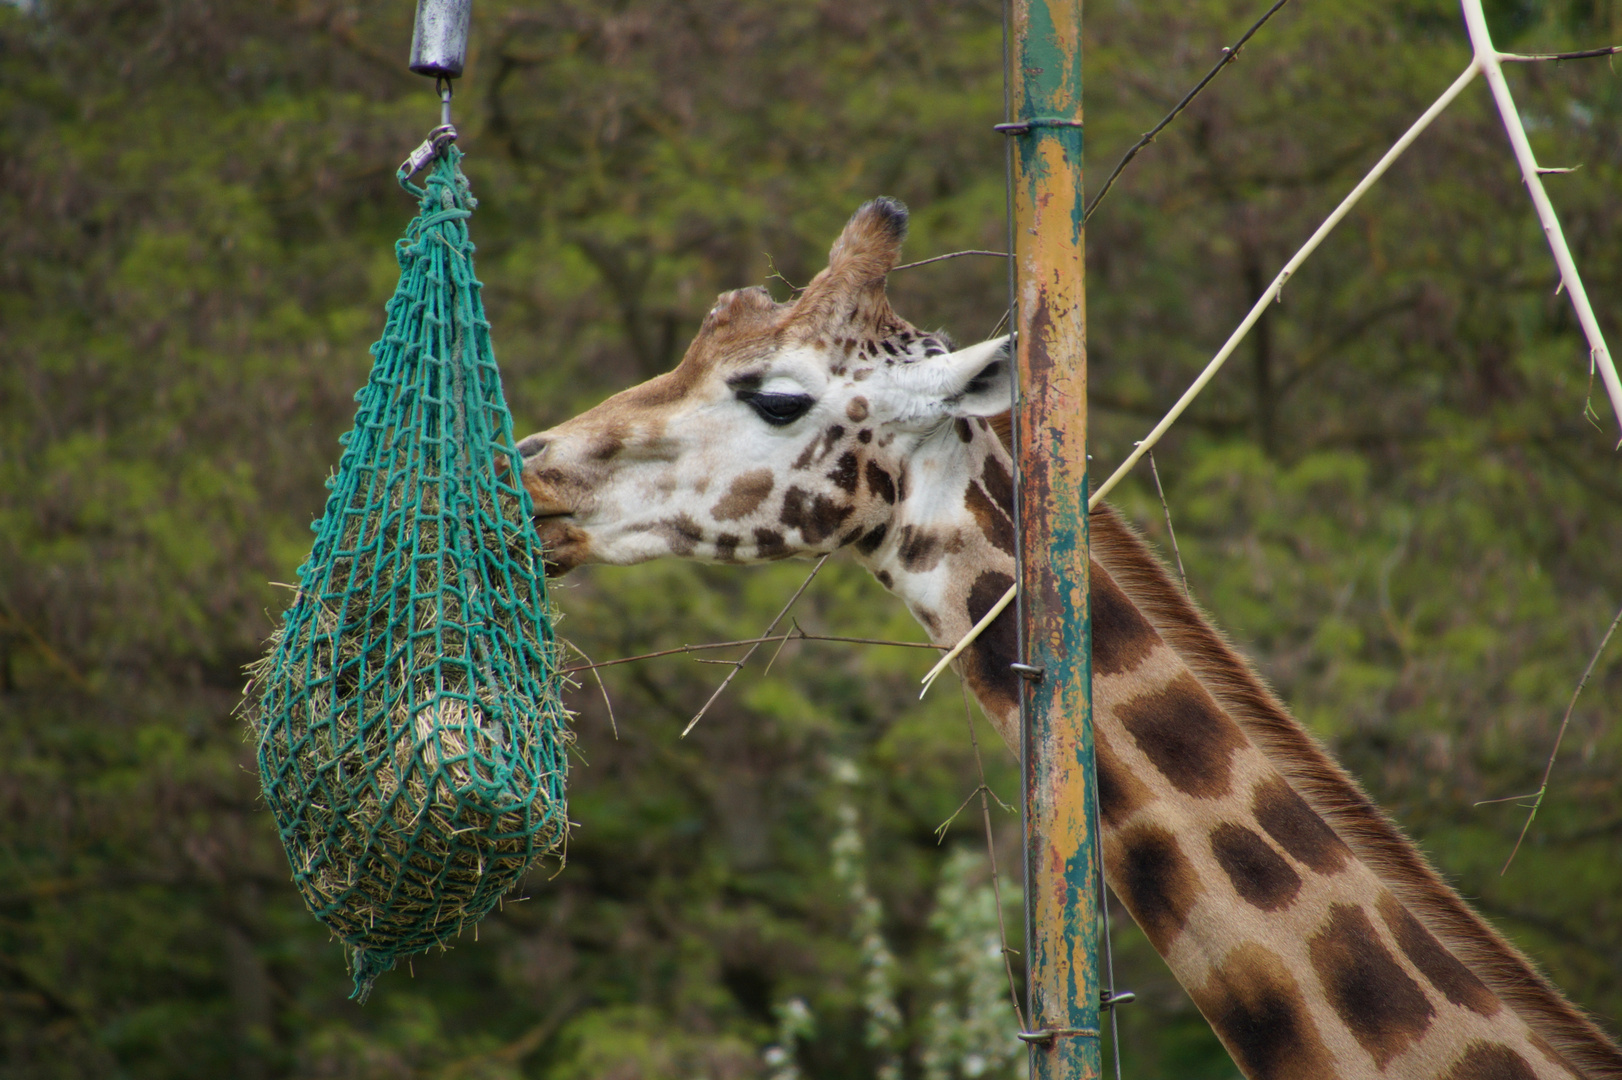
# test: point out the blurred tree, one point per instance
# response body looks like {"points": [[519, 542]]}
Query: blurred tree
{"points": [[1396, 504]]}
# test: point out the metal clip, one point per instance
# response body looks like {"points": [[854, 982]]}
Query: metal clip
{"points": [[1026, 671], [1108, 1000], [1047, 1035], [437, 140]]}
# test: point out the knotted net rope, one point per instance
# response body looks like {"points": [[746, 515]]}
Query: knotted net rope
{"points": [[411, 735]]}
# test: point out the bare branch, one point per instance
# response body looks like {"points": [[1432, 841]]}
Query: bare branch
{"points": [[1585, 54], [1229, 55], [1543, 787], [951, 255], [744, 659], [1181, 573], [796, 635]]}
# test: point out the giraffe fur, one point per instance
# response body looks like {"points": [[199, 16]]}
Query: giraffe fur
{"points": [[1307, 928]]}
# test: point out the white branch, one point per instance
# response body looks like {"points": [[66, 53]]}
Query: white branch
{"points": [[1488, 59], [1235, 338]]}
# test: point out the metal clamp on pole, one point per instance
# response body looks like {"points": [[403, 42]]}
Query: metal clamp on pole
{"points": [[439, 49]]}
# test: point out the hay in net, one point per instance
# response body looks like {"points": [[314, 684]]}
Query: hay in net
{"points": [[411, 733]]}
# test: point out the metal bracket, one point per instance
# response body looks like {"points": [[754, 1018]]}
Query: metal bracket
{"points": [[1047, 1035], [1108, 1000], [1023, 127], [1026, 671]]}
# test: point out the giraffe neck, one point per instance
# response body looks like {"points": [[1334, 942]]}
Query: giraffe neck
{"points": [[1307, 929]]}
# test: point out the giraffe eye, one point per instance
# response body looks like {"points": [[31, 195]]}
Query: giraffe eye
{"points": [[777, 409]]}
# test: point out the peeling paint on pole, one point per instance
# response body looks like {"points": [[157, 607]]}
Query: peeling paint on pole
{"points": [[1061, 852]]}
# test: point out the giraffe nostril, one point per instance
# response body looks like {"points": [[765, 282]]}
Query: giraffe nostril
{"points": [[531, 446]]}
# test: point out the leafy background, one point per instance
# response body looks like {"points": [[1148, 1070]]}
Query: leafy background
{"points": [[1393, 500]]}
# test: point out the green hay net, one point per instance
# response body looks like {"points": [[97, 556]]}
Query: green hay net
{"points": [[411, 735]]}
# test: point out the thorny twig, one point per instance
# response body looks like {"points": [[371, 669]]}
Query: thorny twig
{"points": [[795, 635], [1584, 54], [991, 854], [592, 667], [1169, 530], [1543, 788], [738, 664], [1229, 55], [950, 255]]}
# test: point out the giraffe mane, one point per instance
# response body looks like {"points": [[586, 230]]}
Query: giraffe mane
{"points": [[1330, 790]]}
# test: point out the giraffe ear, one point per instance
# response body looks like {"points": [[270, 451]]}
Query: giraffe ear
{"points": [[848, 297], [979, 379]]}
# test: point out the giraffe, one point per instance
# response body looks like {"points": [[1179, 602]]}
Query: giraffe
{"points": [[1307, 928]]}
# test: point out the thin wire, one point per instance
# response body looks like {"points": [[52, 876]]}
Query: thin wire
{"points": [[1273, 291], [1109, 952], [1229, 55]]}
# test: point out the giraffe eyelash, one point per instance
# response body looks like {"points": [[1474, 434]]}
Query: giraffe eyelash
{"points": [[779, 410]]}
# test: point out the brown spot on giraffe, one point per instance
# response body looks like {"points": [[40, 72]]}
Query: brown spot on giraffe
{"points": [[847, 473], [1383, 1008], [1186, 735], [1120, 794], [681, 532], [920, 549], [1155, 880], [1259, 874], [816, 516], [856, 409], [1440, 967], [1296, 827], [769, 544], [1553, 1056], [1258, 1011], [869, 543], [964, 431], [992, 521], [1489, 1061], [1122, 637], [726, 547], [879, 482], [998, 483], [608, 445], [744, 495], [989, 674]]}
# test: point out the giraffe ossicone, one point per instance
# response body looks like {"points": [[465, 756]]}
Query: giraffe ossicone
{"points": [[1308, 930]]}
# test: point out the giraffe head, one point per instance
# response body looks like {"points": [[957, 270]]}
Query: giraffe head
{"points": [[789, 429]]}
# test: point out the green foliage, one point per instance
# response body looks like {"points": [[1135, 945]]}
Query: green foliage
{"points": [[1392, 500]]}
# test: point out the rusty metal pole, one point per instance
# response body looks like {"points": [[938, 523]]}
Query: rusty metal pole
{"points": [[1061, 851]]}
